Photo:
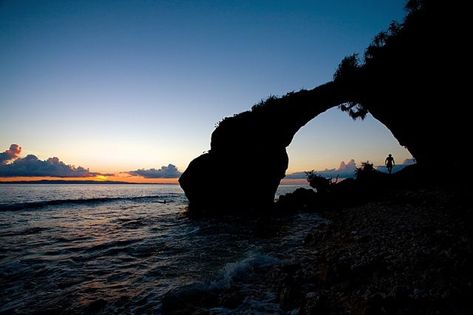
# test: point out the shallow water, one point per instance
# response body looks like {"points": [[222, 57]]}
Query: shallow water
{"points": [[120, 248]]}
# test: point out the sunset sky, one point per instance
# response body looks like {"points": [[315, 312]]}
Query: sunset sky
{"points": [[121, 86]]}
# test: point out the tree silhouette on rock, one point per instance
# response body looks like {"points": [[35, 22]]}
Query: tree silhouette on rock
{"points": [[410, 79]]}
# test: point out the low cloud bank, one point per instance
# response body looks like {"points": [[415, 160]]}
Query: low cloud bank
{"points": [[12, 165], [169, 171], [31, 166], [345, 170]]}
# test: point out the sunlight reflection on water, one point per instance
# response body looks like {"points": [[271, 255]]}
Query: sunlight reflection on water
{"points": [[120, 255]]}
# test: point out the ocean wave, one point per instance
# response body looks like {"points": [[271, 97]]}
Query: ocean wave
{"points": [[242, 268], [60, 202], [234, 277]]}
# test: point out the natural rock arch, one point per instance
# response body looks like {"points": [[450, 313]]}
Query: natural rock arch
{"points": [[410, 76], [249, 143]]}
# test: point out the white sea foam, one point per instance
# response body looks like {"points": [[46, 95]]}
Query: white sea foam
{"points": [[236, 270], [122, 243]]}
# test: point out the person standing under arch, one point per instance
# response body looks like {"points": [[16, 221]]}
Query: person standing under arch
{"points": [[389, 162]]}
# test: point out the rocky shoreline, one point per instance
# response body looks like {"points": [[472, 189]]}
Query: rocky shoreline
{"points": [[410, 253], [407, 252]]}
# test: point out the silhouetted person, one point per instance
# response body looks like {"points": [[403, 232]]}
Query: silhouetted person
{"points": [[389, 162]]}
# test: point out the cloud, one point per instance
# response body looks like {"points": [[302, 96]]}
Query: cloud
{"points": [[350, 166], [169, 171], [345, 170], [31, 166], [10, 154]]}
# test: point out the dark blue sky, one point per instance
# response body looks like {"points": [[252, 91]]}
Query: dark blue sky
{"points": [[120, 85]]}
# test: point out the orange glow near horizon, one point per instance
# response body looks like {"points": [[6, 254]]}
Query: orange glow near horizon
{"points": [[125, 179], [97, 178], [101, 178]]}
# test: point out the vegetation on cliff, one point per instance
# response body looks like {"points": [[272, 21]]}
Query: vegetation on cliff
{"points": [[409, 80]]}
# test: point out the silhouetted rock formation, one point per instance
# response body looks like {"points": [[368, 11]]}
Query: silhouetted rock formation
{"points": [[248, 155], [409, 81]]}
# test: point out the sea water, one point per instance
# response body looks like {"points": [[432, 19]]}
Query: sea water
{"points": [[75, 248]]}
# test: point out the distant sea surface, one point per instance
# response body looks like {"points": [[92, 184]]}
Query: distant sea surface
{"points": [[120, 248]]}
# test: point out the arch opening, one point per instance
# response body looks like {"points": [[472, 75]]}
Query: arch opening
{"points": [[332, 144]]}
